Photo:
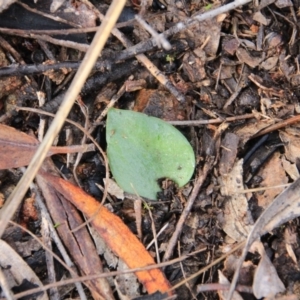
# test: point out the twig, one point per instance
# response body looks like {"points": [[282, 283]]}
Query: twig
{"points": [[112, 102], [151, 43], [215, 262], [160, 40], [223, 287], [278, 125], [115, 273], [5, 45], [45, 230], [85, 113], [19, 70], [232, 97], [97, 45], [153, 232], [212, 121], [137, 205], [199, 181], [187, 284], [64, 43], [158, 234], [67, 31]]}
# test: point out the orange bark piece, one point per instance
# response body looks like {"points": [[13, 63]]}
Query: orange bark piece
{"points": [[115, 233]]}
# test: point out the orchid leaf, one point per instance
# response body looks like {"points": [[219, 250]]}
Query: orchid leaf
{"points": [[142, 149]]}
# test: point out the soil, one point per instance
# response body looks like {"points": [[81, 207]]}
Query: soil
{"points": [[229, 84]]}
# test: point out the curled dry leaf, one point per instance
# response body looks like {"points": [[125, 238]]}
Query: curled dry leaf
{"points": [[247, 132], [272, 174]]}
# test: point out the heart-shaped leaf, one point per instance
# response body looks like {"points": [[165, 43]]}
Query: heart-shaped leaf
{"points": [[143, 149]]}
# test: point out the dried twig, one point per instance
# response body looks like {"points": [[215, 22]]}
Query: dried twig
{"points": [[151, 43], [278, 125], [199, 181], [19, 70], [115, 273], [212, 121]]}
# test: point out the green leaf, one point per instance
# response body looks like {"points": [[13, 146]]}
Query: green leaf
{"points": [[143, 149]]}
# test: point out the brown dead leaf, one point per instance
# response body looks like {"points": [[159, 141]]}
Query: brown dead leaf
{"points": [[230, 45], [237, 219], [17, 148], [272, 174], [260, 18], [159, 104], [290, 138], [229, 152], [115, 233], [193, 65], [290, 168], [269, 63], [205, 33], [245, 57]]}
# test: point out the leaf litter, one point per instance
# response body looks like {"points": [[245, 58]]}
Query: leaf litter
{"points": [[231, 65]]}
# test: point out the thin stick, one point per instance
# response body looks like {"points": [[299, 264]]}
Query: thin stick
{"points": [[278, 125], [90, 58], [115, 273], [161, 41], [198, 184], [151, 43], [211, 121]]}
